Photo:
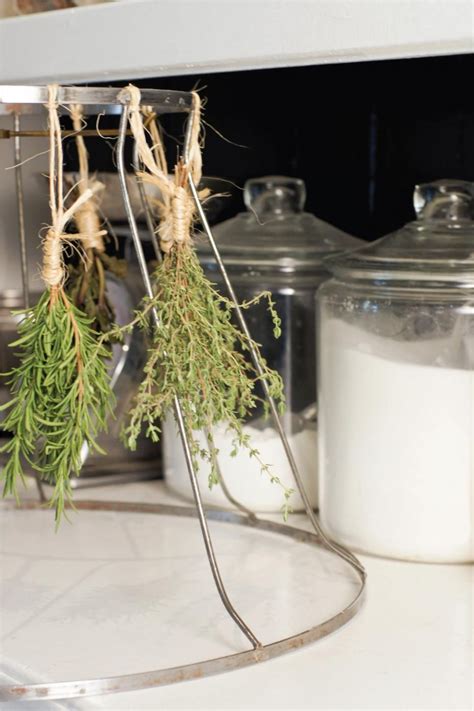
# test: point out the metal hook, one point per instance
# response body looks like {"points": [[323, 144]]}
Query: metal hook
{"points": [[177, 406]]}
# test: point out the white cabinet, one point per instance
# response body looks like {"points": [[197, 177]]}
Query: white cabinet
{"points": [[152, 38]]}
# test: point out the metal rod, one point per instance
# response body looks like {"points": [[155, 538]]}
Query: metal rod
{"points": [[177, 407], [21, 212], [223, 485], [340, 550], [146, 208], [20, 203], [93, 98], [65, 133]]}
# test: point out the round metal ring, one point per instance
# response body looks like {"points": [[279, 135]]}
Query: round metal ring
{"points": [[172, 675]]}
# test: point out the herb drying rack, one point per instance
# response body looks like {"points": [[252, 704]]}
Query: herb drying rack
{"points": [[16, 101]]}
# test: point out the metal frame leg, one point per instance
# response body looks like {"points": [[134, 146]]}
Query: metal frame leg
{"points": [[336, 548], [177, 407], [225, 490]]}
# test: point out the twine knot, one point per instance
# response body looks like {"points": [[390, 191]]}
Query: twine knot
{"points": [[53, 270], [88, 224], [83, 209], [175, 207], [87, 217]]}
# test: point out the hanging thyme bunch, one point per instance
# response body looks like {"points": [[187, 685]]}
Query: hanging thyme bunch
{"points": [[86, 282], [197, 353], [60, 390]]}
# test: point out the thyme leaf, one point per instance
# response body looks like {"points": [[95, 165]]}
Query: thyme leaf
{"points": [[200, 356]]}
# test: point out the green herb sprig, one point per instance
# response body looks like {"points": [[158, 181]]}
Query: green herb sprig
{"points": [[60, 396], [86, 285], [60, 390], [199, 355]]}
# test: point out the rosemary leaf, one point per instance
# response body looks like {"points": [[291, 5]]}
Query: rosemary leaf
{"points": [[60, 396]]}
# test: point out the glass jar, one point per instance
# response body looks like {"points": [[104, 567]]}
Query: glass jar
{"points": [[273, 246], [396, 386]]}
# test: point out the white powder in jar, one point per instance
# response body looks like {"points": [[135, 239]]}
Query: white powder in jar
{"points": [[396, 443], [242, 474]]}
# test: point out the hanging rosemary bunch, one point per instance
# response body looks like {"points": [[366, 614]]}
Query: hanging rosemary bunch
{"points": [[86, 281], [60, 389], [197, 353]]}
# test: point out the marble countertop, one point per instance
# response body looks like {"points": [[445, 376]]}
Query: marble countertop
{"points": [[115, 593]]}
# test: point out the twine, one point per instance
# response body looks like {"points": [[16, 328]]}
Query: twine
{"points": [[53, 271], [176, 206], [87, 217]]}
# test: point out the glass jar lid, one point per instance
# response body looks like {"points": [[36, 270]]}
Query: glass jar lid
{"points": [[275, 232], [436, 247]]}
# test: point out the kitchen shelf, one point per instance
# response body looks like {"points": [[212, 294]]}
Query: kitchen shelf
{"points": [[146, 38]]}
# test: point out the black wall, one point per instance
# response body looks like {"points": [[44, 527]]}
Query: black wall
{"points": [[360, 135]]}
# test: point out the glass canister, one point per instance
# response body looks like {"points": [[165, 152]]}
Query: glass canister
{"points": [[274, 245], [396, 386]]}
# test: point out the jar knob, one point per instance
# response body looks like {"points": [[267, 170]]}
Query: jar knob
{"points": [[274, 196], [444, 200]]}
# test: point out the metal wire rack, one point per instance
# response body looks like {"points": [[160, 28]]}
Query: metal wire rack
{"points": [[17, 101]]}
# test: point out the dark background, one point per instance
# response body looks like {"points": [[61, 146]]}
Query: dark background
{"points": [[361, 135]]}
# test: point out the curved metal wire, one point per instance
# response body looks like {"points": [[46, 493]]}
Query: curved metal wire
{"points": [[208, 667], [335, 547], [177, 406]]}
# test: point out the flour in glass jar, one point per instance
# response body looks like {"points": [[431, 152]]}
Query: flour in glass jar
{"points": [[242, 474], [396, 441]]}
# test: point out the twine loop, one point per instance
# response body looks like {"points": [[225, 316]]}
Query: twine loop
{"points": [[87, 217], [175, 206], [53, 271]]}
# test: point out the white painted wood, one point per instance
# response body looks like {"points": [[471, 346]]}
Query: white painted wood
{"points": [[142, 38]]}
